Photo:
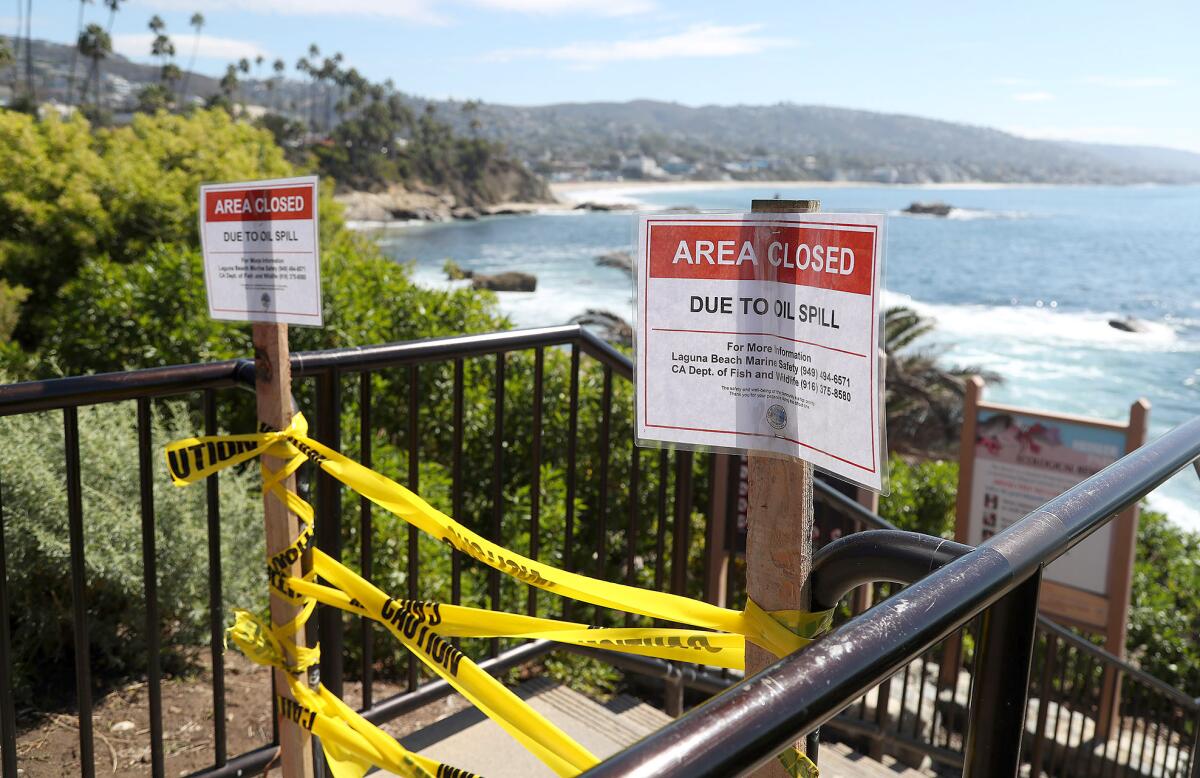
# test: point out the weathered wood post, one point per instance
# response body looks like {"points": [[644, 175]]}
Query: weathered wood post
{"points": [[273, 389], [779, 523]]}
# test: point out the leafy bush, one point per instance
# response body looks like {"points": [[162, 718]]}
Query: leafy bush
{"points": [[923, 495], [1164, 618], [38, 551], [68, 194]]}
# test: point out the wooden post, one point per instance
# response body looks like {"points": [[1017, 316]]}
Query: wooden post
{"points": [[1120, 578], [273, 387], [952, 653], [779, 525]]}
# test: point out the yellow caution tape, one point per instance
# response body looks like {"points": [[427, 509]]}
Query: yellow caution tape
{"points": [[193, 459], [351, 743]]}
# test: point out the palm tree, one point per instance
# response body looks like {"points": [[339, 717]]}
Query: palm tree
{"points": [[197, 23], [924, 399], [161, 47], [75, 52], [279, 66], [95, 43], [113, 6], [32, 96]]}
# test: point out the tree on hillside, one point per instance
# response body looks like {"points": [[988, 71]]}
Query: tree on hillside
{"points": [[924, 399], [6, 55], [278, 67], [113, 6], [94, 43], [75, 53], [197, 24]]}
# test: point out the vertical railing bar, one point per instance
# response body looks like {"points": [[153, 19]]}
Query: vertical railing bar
{"points": [[414, 484], [1150, 720], [660, 529], [1134, 704], [1039, 738], [456, 485], [366, 534], [975, 627], [216, 609], [572, 434], [683, 517], [83, 678], [631, 535], [734, 475], [1096, 734], [150, 584], [903, 698], [329, 525], [8, 716], [1063, 673], [1087, 664], [1159, 725], [602, 497], [535, 475], [497, 493], [921, 700]]}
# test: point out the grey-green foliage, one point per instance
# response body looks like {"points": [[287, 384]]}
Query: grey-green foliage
{"points": [[33, 489]]}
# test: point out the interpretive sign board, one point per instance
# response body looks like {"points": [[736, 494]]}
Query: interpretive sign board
{"points": [[261, 257], [759, 332], [1013, 460]]}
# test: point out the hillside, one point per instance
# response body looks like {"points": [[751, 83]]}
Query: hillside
{"points": [[809, 142], [651, 139]]}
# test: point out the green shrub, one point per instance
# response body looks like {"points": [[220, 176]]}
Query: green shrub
{"points": [[923, 495], [33, 470], [1164, 616]]}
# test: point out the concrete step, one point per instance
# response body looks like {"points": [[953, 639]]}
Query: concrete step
{"points": [[469, 741], [837, 760]]}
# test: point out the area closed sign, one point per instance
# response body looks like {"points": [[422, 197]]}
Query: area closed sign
{"points": [[261, 256], [760, 332]]}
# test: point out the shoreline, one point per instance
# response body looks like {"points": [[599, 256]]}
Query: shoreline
{"points": [[625, 192]]}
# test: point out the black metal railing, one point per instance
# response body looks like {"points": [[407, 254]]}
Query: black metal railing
{"points": [[886, 694], [370, 396], [997, 582]]}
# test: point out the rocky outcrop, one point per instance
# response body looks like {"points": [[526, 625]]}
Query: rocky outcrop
{"points": [[607, 325], [621, 260], [397, 203], [1128, 324], [929, 209], [505, 282], [593, 206]]}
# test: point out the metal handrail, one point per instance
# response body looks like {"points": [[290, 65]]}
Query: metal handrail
{"points": [[53, 393], [747, 725]]}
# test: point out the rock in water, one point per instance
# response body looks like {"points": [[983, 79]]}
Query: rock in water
{"points": [[594, 206], [506, 282], [607, 325], [929, 209], [1128, 324], [622, 260]]}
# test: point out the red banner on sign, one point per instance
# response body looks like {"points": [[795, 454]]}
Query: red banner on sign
{"points": [[252, 205], [824, 257]]}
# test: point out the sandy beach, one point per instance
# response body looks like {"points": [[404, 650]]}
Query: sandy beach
{"points": [[573, 192]]}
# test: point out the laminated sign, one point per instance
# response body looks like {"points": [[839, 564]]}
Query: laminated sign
{"points": [[261, 260], [760, 332]]}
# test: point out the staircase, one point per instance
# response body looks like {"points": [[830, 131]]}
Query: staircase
{"points": [[469, 741]]}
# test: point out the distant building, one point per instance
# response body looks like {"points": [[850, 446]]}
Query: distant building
{"points": [[642, 166]]}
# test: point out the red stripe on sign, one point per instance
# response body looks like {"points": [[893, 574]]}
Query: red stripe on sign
{"points": [[824, 256], [254, 205]]}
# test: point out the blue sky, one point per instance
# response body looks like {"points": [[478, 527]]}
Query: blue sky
{"points": [[1098, 71]]}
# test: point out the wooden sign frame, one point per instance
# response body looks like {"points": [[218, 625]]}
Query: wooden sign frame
{"points": [[1103, 614]]}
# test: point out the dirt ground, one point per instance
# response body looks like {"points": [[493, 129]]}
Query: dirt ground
{"points": [[48, 744]]}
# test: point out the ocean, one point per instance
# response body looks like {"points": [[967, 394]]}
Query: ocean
{"points": [[1022, 281]]}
